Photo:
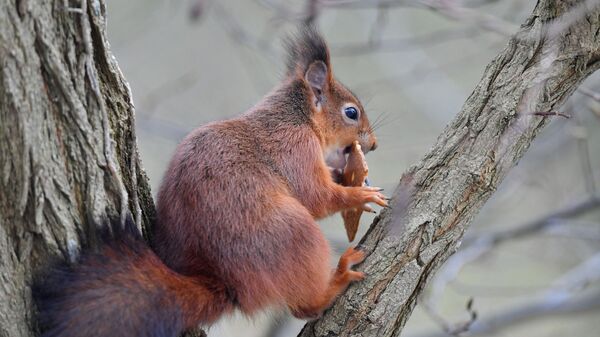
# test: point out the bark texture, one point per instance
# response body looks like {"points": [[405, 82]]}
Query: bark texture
{"points": [[554, 51], [68, 156]]}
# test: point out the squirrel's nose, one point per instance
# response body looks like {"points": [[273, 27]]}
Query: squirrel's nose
{"points": [[368, 142], [373, 146]]}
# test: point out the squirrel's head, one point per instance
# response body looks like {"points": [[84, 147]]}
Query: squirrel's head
{"points": [[335, 110]]}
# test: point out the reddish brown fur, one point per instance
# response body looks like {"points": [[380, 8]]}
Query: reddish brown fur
{"points": [[236, 220]]}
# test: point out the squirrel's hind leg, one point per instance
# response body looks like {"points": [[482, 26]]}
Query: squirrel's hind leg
{"points": [[290, 263], [340, 279], [307, 281]]}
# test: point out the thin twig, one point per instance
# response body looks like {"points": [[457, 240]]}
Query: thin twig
{"points": [[583, 148], [549, 114], [589, 93], [453, 329]]}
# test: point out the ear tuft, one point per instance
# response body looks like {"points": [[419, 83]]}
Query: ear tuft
{"points": [[305, 48]]}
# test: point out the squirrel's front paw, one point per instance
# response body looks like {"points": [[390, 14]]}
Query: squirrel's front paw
{"points": [[372, 194]]}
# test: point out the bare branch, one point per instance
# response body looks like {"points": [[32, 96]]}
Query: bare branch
{"points": [[239, 34], [453, 329], [583, 147], [589, 93], [312, 11], [566, 295], [543, 307], [401, 44], [477, 245]]}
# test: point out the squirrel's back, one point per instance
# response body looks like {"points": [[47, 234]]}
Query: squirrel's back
{"points": [[219, 203]]}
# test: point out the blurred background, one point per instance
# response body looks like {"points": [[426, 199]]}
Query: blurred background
{"points": [[530, 263]]}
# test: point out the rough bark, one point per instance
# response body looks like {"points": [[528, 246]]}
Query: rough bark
{"points": [[68, 156], [554, 51]]}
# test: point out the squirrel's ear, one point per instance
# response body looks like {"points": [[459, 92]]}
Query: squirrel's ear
{"points": [[316, 76]]}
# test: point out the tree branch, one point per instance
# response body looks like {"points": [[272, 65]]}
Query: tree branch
{"points": [[566, 295], [537, 71], [476, 246]]}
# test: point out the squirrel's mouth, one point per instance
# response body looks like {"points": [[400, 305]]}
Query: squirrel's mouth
{"points": [[336, 160], [337, 157]]}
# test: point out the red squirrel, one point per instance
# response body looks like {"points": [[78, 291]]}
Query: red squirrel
{"points": [[236, 217]]}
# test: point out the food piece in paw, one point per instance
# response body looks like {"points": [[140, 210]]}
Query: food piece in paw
{"points": [[355, 174]]}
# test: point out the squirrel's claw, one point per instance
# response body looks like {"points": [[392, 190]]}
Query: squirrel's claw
{"points": [[368, 208], [377, 197]]}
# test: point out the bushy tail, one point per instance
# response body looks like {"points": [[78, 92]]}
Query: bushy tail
{"points": [[124, 289]]}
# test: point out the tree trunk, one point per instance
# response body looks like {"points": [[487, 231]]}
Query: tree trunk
{"points": [[555, 50], [68, 156]]}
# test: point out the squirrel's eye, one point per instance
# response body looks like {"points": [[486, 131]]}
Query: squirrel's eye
{"points": [[351, 112]]}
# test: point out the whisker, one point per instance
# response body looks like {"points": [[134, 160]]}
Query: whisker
{"points": [[381, 120], [378, 117], [365, 101]]}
